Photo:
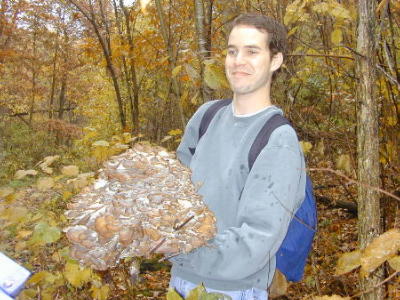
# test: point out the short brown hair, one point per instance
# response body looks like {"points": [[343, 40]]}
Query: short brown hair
{"points": [[277, 35]]}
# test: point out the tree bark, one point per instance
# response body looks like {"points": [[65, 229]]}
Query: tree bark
{"points": [[134, 86], [64, 77], [53, 80], [203, 43], [369, 225], [62, 96], [123, 57], [34, 72]]}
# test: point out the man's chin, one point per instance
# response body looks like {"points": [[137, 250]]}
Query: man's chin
{"points": [[241, 90]]}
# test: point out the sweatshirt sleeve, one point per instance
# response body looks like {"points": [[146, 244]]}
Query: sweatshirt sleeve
{"points": [[191, 135], [272, 193]]}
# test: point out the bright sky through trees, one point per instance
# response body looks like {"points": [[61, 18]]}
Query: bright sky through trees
{"points": [[128, 2]]}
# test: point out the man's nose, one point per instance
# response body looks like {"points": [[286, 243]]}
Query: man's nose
{"points": [[239, 58]]}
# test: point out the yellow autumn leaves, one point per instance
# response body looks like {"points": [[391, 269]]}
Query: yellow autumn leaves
{"points": [[101, 150], [75, 275], [383, 248], [197, 293]]}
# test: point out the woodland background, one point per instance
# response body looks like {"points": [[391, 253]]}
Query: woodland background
{"points": [[80, 80]]}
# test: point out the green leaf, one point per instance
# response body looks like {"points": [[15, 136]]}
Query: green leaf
{"points": [[76, 275], [176, 70], [292, 31], [38, 277], [340, 12], [306, 146], [196, 293], [101, 144], [293, 11], [44, 234], [321, 8], [28, 294], [214, 76], [173, 295], [47, 293], [336, 36], [126, 137], [100, 293], [101, 150], [175, 132], [333, 9], [215, 296]]}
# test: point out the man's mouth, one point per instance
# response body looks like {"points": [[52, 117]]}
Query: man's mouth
{"points": [[240, 73]]}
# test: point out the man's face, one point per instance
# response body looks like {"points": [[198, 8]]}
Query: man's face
{"points": [[248, 63]]}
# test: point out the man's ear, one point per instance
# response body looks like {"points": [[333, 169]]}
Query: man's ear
{"points": [[276, 61]]}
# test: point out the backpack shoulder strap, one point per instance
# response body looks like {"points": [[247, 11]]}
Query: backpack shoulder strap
{"points": [[208, 116], [210, 113], [263, 135]]}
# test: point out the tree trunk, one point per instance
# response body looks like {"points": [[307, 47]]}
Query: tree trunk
{"points": [[171, 62], [134, 86], [203, 44], [62, 96], [53, 80], [64, 77], [32, 106], [123, 58], [367, 141]]}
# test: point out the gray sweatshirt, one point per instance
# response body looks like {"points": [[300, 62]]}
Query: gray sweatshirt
{"points": [[253, 209]]}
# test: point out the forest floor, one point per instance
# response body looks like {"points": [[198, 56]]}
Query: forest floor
{"points": [[23, 209]]}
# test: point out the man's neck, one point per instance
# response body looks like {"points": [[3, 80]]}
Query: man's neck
{"points": [[250, 103]]}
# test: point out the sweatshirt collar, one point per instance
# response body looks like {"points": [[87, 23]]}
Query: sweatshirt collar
{"points": [[269, 110]]}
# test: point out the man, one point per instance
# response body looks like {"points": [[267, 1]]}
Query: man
{"points": [[253, 208]]}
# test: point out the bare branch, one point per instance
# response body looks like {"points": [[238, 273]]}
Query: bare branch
{"points": [[350, 180]]}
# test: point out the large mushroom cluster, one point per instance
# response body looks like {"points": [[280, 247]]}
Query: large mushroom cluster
{"points": [[142, 199]]}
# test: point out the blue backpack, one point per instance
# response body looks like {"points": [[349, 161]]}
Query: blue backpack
{"points": [[291, 257]]}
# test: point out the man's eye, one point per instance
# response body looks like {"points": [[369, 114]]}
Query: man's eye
{"points": [[252, 52], [231, 52]]}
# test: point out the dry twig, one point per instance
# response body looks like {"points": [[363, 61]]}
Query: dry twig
{"points": [[350, 180]]}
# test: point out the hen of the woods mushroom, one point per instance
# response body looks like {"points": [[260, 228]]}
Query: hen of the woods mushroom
{"points": [[142, 198]]}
